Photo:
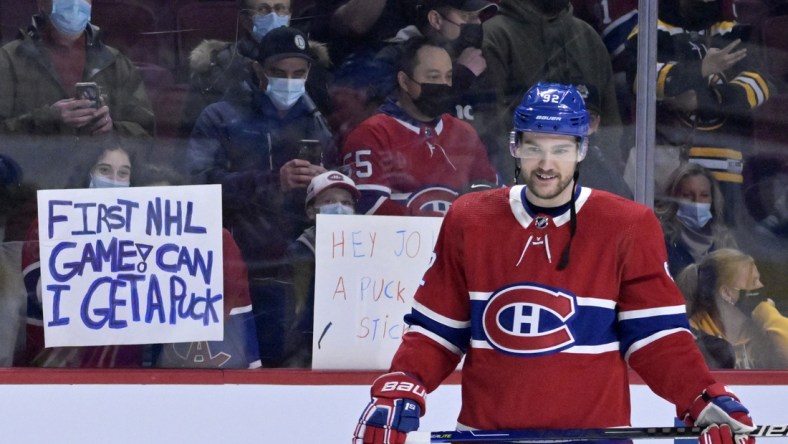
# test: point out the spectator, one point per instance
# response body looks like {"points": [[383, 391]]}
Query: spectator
{"points": [[239, 348], [510, 289], [219, 67], [250, 145], [736, 325], [39, 71], [13, 193], [111, 166], [329, 193], [358, 89], [410, 158], [763, 231], [358, 26], [692, 217], [600, 171], [708, 83], [536, 40], [457, 26]]}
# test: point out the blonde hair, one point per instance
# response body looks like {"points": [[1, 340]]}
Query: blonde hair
{"points": [[667, 207], [700, 282]]}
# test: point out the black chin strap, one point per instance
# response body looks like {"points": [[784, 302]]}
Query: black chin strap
{"points": [[562, 264]]}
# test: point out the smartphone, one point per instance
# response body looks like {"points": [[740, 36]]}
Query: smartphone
{"points": [[310, 150], [89, 91]]}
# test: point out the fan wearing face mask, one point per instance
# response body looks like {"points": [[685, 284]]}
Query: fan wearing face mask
{"points": [[457, 26], [104, 162], [736, 324], [251, 145], [329, 193], [411, 158], [218, 67], [692, 216], [39, 72]]}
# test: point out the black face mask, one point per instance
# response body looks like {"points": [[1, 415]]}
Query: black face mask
{"points": [[471, 36], [749, 299], [434, 100], [551, 7]]}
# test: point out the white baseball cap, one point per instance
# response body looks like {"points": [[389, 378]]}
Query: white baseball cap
{"points": [[330, 179]]}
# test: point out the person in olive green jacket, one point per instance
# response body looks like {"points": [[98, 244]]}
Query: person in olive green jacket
{"points": [[39, 71]]}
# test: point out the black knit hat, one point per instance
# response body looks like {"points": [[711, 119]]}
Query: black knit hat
{"points": [[282, 43]]}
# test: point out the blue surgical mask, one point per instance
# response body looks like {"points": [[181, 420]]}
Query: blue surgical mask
{"points": [[285, 92], [97, 181], [335, 208], [694, 215], [70, 17], [263, 24]]}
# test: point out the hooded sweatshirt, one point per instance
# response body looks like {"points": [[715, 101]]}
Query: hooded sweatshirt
{"points": [[523, 46]]}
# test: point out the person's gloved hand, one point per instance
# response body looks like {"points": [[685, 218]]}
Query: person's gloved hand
{"points": [[398, 400], [728, 420]]}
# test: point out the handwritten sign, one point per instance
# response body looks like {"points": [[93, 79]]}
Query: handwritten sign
{"points": [[131, 265], [367, 270]]}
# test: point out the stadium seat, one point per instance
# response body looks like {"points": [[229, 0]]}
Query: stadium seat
{"points": [[13, 16], [775, 40], [128, 27]]}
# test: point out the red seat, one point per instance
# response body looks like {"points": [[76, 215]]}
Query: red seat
{"points": [[128, 27], [774, 35], [771, 124], [198, 21], [14, 15]]}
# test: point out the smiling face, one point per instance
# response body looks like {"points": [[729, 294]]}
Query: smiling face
{"points": [[548, 162]]}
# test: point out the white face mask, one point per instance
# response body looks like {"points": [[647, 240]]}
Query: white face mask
{"points": [[285, 92], [335, 208]]}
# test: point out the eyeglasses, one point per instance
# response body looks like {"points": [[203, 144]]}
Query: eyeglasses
{"points": [[531, 151]]}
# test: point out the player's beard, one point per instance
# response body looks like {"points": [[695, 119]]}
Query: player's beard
{"points": [[537, 188]]}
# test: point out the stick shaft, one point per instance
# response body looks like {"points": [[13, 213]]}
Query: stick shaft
{"points": [[546, 435]]}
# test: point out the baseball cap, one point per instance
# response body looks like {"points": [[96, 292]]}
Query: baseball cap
{"points": [[330, 179], [282, 43], [464, 5]]}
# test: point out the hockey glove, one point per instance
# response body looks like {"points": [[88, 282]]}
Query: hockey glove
{"points": [[398, 400], [719, 408]]}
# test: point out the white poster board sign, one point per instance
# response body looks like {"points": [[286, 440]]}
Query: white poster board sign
{"points": [[131, 265], [367, 270]]}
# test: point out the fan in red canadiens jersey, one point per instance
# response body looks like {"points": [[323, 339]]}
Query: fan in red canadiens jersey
{"points": [[410, 158], [544, 328]]}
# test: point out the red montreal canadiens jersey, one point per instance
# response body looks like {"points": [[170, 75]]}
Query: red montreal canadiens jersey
{"points": [[546, 348], [402, 166]]}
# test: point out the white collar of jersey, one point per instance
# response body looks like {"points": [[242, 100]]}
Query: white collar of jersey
{"points": [[417, 129], [518, 207]]}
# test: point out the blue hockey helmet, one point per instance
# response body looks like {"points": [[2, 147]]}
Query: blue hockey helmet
{"points": [[552, 108]]}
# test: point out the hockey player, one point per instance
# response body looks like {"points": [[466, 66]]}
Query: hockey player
{"points": [[551, 290]]}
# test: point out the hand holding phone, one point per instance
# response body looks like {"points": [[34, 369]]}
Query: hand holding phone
{"points": [[89, 91], [311, 151]]}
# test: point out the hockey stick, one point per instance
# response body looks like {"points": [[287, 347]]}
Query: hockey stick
{"points": [[546, 435]]}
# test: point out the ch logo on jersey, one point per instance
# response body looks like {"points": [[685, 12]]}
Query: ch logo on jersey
{"points": [[529, 319], [433, 199]]}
